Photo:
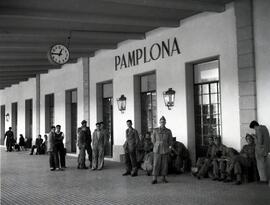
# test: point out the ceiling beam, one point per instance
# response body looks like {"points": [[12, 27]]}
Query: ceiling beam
{"points": [[46, 45], [29, 62], [194, 5], [28, 68], [41, 55], [20, 73], [39, 34], [12, 77], [73, 17], [11, 81]]}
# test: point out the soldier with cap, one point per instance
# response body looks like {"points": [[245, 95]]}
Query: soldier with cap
{"points": [[162, 140], [84, 143]]}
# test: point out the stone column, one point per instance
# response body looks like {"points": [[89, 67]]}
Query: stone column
{"points": [[37, 104], [86, 100], [246, 64]]}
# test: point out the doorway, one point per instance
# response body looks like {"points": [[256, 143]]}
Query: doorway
{"points": [[3, 129], [28, 118], [14, 118], [207, 104], [71, 120]]}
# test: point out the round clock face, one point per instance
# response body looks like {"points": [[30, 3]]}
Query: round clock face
{"points": [[59, 54]]}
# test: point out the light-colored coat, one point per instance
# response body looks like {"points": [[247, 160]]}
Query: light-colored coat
{"points": [[262, 141], [99, 141], [162, 139], [51, 139]]}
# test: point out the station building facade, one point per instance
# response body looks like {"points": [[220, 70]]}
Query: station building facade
{"points": [[217, 64]]}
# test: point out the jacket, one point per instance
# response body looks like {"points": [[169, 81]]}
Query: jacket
{"points": [[132, 140], [162, 139], [262, 141], [84, 137], [99, 141], [51, 139]]}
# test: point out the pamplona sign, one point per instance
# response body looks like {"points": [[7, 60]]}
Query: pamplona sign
{"points": [[147, 54]]}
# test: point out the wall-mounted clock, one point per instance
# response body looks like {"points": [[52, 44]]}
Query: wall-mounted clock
{"points": [[58, 54]]}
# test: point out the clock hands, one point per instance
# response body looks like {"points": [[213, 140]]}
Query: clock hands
{"points": [[59, 54]]}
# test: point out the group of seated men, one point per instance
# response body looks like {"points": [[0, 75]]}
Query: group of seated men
{"points": [[40, 146], [226, 164], [179, 160]]}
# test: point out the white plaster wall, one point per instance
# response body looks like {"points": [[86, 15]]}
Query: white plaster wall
{"points": [[262, 59], [19, 93], [57, 82], [201, 36]]}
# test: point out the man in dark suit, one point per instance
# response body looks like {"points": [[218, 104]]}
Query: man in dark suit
{"points": [[10, 139], [130, 147]]}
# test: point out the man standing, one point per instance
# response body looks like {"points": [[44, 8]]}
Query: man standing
{"points": [[10, 139], [262, 148], [84, 141], [51, 148], [59, 149], [99, 139], [130, 147], [162, 140]]}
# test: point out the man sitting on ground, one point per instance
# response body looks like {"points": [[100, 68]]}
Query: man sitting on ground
{"points": [[178, 157], [246, 160], [37, 145]]}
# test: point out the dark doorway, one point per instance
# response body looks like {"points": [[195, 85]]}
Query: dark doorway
{"points": [[29, 118], [3, 129], [71, 120], [14, 118], [207, 104], [49, 112], [107, 115]]}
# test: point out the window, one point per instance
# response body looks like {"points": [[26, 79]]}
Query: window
{"points": [[207, 101]]}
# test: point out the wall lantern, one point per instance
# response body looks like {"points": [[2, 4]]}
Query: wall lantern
{"points": [[169, 97], [121, 102], [7, 117]]}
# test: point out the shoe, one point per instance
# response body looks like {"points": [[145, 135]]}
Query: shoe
{"points": [[93, 169], [238, 183], [215, 179], [199, 177], [59, 169], [164, 181], [84, 168], [31, 154], [78, 167], [221, 179], [126, 173], [134, 174], [52, 169], [154, 181], [227, 180]]}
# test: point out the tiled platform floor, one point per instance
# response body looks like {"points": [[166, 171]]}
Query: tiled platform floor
{"points": [[26, 180]]}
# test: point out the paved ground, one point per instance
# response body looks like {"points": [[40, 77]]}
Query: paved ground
{"points": [[27, 180]]}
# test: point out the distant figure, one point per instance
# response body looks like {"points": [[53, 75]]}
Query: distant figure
{"points": [[22, 142], [51, 148], [162, 140], [59, 154], [10, 139], [130, 148], [28, 142], [98, 144], [262, 148], [107, 136], [37, 145], [44, 145], [148, 159]]}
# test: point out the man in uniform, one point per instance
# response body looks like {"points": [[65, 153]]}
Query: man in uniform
{"points": [[246, 160], [37, 145], [10, 139], [130, 148], [219, 153], [85, 133], [203, 164], [99, 139], [51, 148], [262, 148], [178, 157], [162, 140]]}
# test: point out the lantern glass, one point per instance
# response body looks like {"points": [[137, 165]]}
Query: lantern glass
{"points": [[121, 102], [7, 117], [169, 98]]}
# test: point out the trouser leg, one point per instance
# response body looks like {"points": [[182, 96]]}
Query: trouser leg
{"points": [[215, 168], [222, 169], [62, 155], [100, 157], [156, 164], [51, 160], [56, 156], [133, 160], [95, 158], [32, 149], [262, 166], [128, 163], [81, 157], [89, 152], [164, 165]]}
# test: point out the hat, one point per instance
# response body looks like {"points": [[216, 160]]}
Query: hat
{"points": [[162, 118], [84, 122]]}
